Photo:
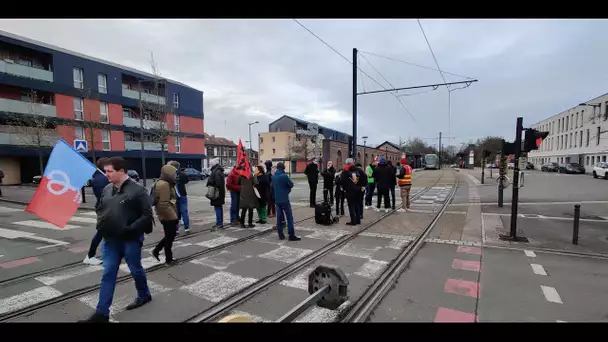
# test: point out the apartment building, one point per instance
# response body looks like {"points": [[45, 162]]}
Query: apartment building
{"points": [[47, 93], [222, 148], [576, 135]]}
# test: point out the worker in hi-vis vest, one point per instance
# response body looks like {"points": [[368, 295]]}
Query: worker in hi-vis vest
{"points": [[371, 183], [404, 180]]}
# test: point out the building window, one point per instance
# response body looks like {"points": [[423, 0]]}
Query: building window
{"points": [[79, 133], [273, 139], [126, 113], [572, 121], [215, 151], [261, 140], [605, 110], [576, 122], [129, 136], [570, 146], [587, 144], [102, 83], [78, 115], [567, 120], [580, 142], [26, 96], [566, 141], [597, 138], [177, 145], [176, 122], [261, 151], [78, 78], [274, 151], [588, 160], [105, 139], [175, 100], [603, 159], [592, 160], [103, 112], [575, 138]]}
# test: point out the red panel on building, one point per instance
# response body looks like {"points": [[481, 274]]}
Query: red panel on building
{"points": [[66, 133], [91, 110], [65, 106], [117, 140], [171, 144], [115, 114], [190, 125], [192, 145], [169, 121]]}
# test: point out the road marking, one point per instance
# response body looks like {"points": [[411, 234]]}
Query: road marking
{"points": [[551, 294], [15, 234], [530, 254], [445, 315], [474, 179], [145, 263], [299, 281], [218, 286], [19, 262], [9, 210], [358, 251], [286, 254], [90, 213], [469, 250], [120, 303], [371, 269], [221, 260], [83, 219], [538, 269], [216, 242], [466, 265], [535, 216], [462, 287], [51, 280], [328, 235], [531, 203], [43, 224], [28, 298], [79, 249]]}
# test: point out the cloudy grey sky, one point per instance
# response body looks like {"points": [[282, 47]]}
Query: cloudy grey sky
{"points": [[260, 69]]}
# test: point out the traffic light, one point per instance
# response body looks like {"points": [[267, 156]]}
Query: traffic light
{"points": [[508, 148], [533, 139]]}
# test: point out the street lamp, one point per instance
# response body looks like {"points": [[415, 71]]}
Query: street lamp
{"points": [[364, 144], [250, 149]]}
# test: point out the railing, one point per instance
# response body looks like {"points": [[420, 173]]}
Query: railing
{"points": [[25, 71], [148, 146], [148, 124], [24, 136], [132, 94], [23, 107]]}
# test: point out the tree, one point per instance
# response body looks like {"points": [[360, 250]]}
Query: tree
{"points": [[417, 145], [34, 130], [489, 143], [88, 123]]}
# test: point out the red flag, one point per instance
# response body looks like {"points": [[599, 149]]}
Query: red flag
{"points": [[242, 164]]}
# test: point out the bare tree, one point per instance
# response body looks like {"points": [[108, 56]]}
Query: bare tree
{"points": [[87, 123], [34, 131]]}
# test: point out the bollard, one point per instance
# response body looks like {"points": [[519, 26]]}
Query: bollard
{"points": [[577, 216]]}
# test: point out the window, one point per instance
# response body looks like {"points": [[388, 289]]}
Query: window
{"points": [[566, 141], [105, 139], [604, 159], [177, 145], [261, 140], [175, 100], [597, 138], [176, 122], [129, 136], [126, 113], [572, 121], [26, 96], [588, 160], [273, 139], [215, 151], [580, 144], [102, 83], [605, 110], [79, 133], [587, 144], [103, 112], [25, 61], [582, 117], [570, 146], [593, 160], [78, 109], [273, 151], [575, 138], [567, 120], [576, 122], [261, 151], [78, 78]]}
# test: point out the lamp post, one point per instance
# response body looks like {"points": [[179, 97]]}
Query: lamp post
{"points": [[364, 144], [250, 124]]}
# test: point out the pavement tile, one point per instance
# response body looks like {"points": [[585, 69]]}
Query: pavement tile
{"points": [[218, 286]]}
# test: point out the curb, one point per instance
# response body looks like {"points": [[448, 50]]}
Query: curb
{"points": [[26, 203]]}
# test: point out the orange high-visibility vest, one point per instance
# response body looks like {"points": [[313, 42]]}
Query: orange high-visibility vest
{"points": [[407, 179]]}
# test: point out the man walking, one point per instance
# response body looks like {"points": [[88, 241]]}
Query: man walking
{"points": [[282, 187], [353, 189], [312, 173], [328, 183], [232, 183], [371, 184], [124, 214], [405, 184], [383, 174], [181, 180], [98, 183]]}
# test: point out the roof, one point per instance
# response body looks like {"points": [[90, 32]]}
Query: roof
{"points": [[571, 108], [218, 141], [99, 60], [304, 122], [390, 143]]}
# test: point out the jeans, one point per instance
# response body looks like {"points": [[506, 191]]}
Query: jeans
{"points": [[313, 193], [354, 208], [94, 244], [182, 212], [369, 193], [392, 190], [167, 241], [219, 216], [360, 200], [285, 209], [387, 201], [234, 206], [112, 254]]}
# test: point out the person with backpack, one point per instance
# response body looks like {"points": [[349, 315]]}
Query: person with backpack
{"points": [[216, 191], [282, 188], [98, 183], [166, 211], [181, 180], [340, 195], [124, 214], [328, 183], [404, 180]]}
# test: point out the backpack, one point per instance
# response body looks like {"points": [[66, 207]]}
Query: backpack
{"points": [[152, 195], [323, 214]]}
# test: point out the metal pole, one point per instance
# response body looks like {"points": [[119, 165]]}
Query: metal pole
{"points": [[249, 143], [577, 217], [303, 306], [501, 173], [519, 127], [483, 165], [364, 144], [84, 199], [354, 147], [439, 157], [141, 134]]}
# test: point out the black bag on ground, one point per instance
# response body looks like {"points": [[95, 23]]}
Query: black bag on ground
{"points": [[323, 214]]}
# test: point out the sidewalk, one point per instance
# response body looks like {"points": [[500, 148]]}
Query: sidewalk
{"points": [[22, 194]]}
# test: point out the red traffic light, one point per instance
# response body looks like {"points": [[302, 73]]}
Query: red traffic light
{"points": [[533, 139], [538, 142]]}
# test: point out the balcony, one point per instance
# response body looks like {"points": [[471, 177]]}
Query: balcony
{"points": [[132, 94], [25, 71], [23, 107], [148, 124], [148, 146], [27, 136]]}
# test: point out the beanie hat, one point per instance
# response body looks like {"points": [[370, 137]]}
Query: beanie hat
{"points": [[280, 166], [349, 161], [382, 160]]}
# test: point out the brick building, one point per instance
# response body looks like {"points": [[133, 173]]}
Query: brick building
{"points": [[222, 148], [50, 93], [337, 152]]}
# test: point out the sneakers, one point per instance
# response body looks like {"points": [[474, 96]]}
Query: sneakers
{"points": [[138, 302], [96, 318], [294, 238], [367, 207], [187, 230], [401, 210], [92, 261], [387, 210], [377, 210]]}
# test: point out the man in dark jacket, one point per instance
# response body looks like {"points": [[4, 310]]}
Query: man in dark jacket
{"points": [[282, 187], [272, 211], [123, 215], [383, 175], [98, 182], [1, 178], [363, 182], [217, 180], [393, 181], [328, 182], [312, 173], [350, 181], [181, 179]]}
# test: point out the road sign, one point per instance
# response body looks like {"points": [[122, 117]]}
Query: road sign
{"points": [[80, 145], [523, 162]]}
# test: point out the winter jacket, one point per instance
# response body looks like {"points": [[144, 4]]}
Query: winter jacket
{"points": [[217, 179], [383, 175], [247, 197], [263, 186], [282, 187], [338, 182], [98, 182], [166, 209], [394, 175], [182, 180], [350, 180], [328, 177], [232, 183], [312, 172], [369, 170]]}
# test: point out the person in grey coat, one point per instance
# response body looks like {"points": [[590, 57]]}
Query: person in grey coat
{"points": [[247, 199], [217, 180]]}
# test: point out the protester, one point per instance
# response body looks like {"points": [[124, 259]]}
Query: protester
{"points": [[282, 187], [263, 187], [312, 173], [98, 183], [383, 175], [182, 197], [340, 195], [166, 211], [393, 182], [216, 181], [232, 184], [405, 184], [328, 182], [272, 211], [248, 200], [350, 184], [1, 178], [371, 184], [362, 182], [123, 215]]}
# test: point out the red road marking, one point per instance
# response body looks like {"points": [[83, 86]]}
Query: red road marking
{"points": [[19, 262], [466, 265], [79, 249], [445, 315], [462, 287], [469, 249]]}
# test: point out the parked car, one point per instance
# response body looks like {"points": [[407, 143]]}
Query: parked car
{"points": [[194, 174], [571, 168], [549, 167], [600, 170], [491, 166], [133, 174], [206, 172], [227, 171], [529, 166], [511, 166]]}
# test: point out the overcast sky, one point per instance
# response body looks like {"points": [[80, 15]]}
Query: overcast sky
{"points": [[260, 69]]}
